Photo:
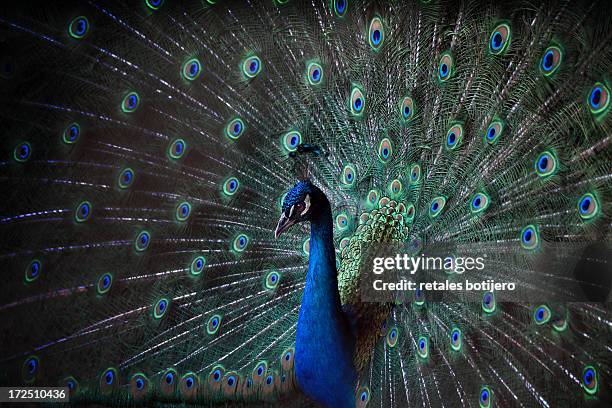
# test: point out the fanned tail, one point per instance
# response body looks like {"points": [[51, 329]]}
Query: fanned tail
{"points": [[146, 155]]}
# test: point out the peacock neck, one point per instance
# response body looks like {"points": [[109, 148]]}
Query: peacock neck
{"points": [[322, 277], [324, 342]]}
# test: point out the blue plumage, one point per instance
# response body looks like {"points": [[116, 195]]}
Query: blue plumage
{"points": [[324, 338]]}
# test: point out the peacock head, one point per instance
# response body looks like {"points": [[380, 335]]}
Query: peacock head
{"points": [[302, 203]]}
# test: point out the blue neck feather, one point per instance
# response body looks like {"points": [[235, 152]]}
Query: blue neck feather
{"points": [[324, 343]]}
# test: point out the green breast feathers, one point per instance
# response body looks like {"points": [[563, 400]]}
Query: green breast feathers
{"points": [[390, 222]]}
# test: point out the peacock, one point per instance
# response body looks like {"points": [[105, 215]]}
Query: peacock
{"points": [[190, 188]]}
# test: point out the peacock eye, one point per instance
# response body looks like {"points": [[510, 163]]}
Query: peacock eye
{"points": [[494, 130], [191, 69], [551, 60], [545, 164], [314, 73], [79, 27], [588, 207], [589, 380], [480, 202], [530, 237], [385, 150], [446, 67], [541, 314], [340, 7], [500, 39], [456, 339], [234, 128], [407, 109], [130, 102], [437, 204], [598, 98], [251, 66], [485, 397], [488, 302], [377, 34], [104, 283], [291, 140], [454, 136], [357, 101]]}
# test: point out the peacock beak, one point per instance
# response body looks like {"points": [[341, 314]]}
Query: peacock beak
{"points": [[283, 225]]}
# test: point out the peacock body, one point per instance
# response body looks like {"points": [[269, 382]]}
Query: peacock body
{"points": [[150, 147]]}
